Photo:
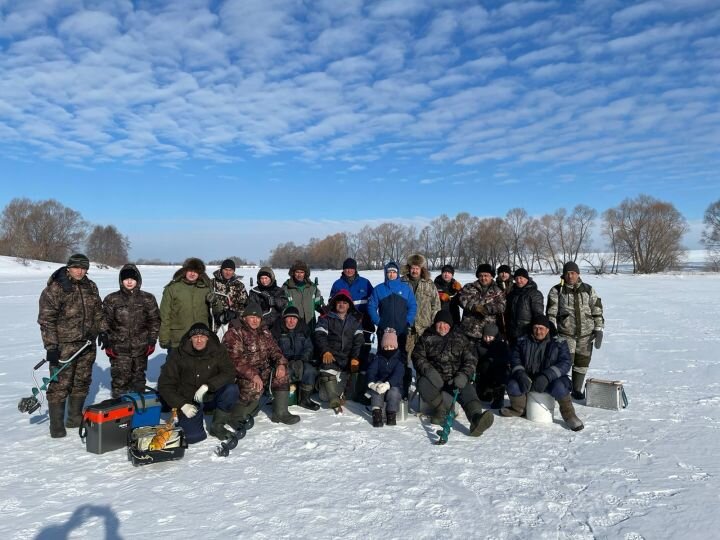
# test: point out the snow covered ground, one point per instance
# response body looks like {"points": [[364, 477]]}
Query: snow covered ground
{"points": [[644, 472]]}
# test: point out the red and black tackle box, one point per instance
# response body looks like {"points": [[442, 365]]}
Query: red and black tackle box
{"points": [[106, 425]]}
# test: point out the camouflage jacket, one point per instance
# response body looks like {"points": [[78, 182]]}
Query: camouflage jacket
{"points": [[132, 318], [70, 310], [492, 300], [232, 292], [449, 355], [576, 310], [428, 301]]}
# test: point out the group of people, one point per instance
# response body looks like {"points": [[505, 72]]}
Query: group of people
{"points": [[227, 347]]}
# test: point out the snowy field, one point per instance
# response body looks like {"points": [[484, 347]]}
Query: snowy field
{"points": [[644, 472]]}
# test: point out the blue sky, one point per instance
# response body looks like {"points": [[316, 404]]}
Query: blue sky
{"points": [[211, 128]]}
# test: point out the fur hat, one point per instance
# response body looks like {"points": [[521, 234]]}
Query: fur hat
{"points": [[199, 329], [521, 272], [349, 263], [193, 264], [253, 309], [447, 268], [228, 263], [491, 329], [389, 339], [443, 316], [299, 265], [291, 311], [129, 273], [486, 269], [541, 320], [416, 260], [570, 267], [78, 260], [504, 268]]}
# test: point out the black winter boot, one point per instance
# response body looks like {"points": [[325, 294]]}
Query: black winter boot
{"points": [[391, 418], [438, 417], [56, 412], [304, 400], [75, 411], [578, 380], [498, 397], [568, 414], [377, 418], [517, 406], [280, 413], [480, 422], [220, 418]]}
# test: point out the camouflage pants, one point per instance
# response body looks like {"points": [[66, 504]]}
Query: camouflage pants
{"points": [[76, 377], [128, 374], [247, 394], [580, 352]]}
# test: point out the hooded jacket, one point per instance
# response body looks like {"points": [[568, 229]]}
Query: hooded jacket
{"points": [[271, 299], [392, 305], [522, 304]]}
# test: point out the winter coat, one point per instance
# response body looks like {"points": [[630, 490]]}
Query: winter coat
{"points": [[271, 299], [70, 311], [496, 352], [295, 344], [341, 337], [449, 355], [306, 297], [522, 304], [254, 352], [390, 370], [184, 304], [187, 369], [392, 305], [491, 298], [360, 289], [448, 294], [550, 357], [505, 286], [576, 310], [426, 298], [132, 318], [237, 296]]}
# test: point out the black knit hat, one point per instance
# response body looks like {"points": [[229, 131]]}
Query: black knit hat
{"points": [[253, 308], [504, 268], [199, 329], [350, 263], [491, 329], [570, 267], [486, 269], [290, 311], [447, 268], [521, 272], [78, 260], [227, 263], [129, 273], [443, 316], [265, 271], [541, 320]]}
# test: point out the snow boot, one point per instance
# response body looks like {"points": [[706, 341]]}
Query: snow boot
{"points": [[568, 414], [498, 397], [220, 418], [304, 400], [56, 412], [438, 417], [280, 413], [480, 422], [517, 406], [377, 418], [75, 411], [578, 380], [391, 418]]}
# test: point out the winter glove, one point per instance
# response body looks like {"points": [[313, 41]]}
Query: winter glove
{"points": [[200, 394], [434, 377], [480, 309], [189, 410], [210, 297], [460, 381], [373, 386], [104, 341], [540, 383], [225, 317], [53, 358], [598, 338], [444, 297], [523, 380], [382, 387], [150, 347], [110, 352], [354, 365], [328, 358]]}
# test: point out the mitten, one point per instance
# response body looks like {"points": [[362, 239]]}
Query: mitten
{"points": [[103, 340], [189, 410], [53, 358], [523, 380], [382, 387], [540, 383], [373, 386], [444, 297], [201, 393], [328, 357], [354, 365], [434, 377], [460, 381], [598, 338]]}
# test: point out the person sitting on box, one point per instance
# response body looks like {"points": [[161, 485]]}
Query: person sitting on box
{"points": [[197, 374], [540, 362], [385, 375]]}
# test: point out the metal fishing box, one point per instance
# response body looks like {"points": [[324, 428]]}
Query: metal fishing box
{"points": [[106, 425], [605, 394]]}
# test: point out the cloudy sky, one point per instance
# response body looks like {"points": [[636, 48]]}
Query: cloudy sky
{"points": [[193, 124]]}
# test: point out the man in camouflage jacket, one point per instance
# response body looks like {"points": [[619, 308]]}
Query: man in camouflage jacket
{"points": [[230, 291], [70, 314], [417, 276], [483, 302], [576, 310]]}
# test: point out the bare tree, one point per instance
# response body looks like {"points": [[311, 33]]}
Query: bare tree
{"points": [[517, 221], [649, 231], [579, 225], [611, 220], [285, 254], [107, 246], [330, 252], [711, 235]]}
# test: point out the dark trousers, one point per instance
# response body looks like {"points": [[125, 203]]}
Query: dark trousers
{"points": [[224, 399]]}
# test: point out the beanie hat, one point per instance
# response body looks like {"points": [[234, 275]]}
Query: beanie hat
{"points": [[491, 329], [570, 267], [253, 309], [199, 329], [541, 320], [484, 268], [350, 263], [228, 263], [290, 311], [389, 339], [504, 268], [443, 316], [392, 264], [342, 293], [129, 273], [193, 264], [78, 260], [265, 271], [521, 272], [447, 268]]}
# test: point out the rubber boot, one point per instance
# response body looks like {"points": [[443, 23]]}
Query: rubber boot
{"points": [[480, 422], [56, 412], [220, 418], [498, 397], [578, 379], [75, 411], [280, 413], [568, 414], [242, 414], [391, 418], [329, 384], [517, 406], [304, 400], [377, 418]]}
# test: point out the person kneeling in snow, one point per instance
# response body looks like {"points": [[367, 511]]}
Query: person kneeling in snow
{"points": [[385, 373], [445, 360], [198, 373], [540, 362]]}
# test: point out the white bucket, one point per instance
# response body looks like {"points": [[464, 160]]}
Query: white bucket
{"points": [[540, 407]]}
